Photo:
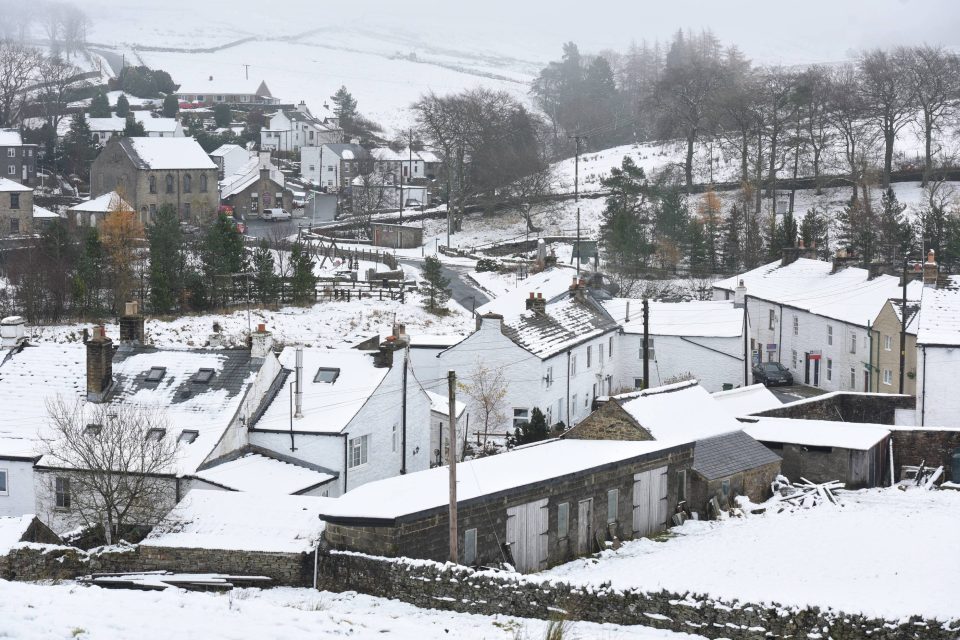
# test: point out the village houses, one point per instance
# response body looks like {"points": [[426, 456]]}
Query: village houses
{"points": [[289, 130], [334, 166], [18, 161], [231, 92]]}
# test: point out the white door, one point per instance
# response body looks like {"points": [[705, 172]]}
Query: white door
{"points": [[649, 501], [527, 526], [585, 527]]}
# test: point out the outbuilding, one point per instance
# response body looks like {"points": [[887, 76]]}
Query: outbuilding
{"points": [[532, 508]]}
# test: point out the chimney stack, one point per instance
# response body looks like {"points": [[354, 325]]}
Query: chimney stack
{"points": [[12, 332], [930, 270], [531, 300], [539, 304], [261, 342], [99, 365], [131, 324], [740, 295]]}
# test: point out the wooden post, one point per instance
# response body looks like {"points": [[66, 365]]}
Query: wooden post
{"points": [[452, 455]]}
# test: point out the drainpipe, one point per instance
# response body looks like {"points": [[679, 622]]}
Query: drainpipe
{"points": [[568, 389], [346, 464], [870, 357], [746, 346], [923, 391], [780, 341]]}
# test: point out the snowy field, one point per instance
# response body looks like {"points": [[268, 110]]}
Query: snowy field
{"points": [[884, 553], [34, 612]]}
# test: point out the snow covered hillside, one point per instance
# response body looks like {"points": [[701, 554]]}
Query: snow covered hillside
{"points": [[306, 55]]}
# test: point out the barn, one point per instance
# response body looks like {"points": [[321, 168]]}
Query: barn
{"points": [[534, 507]]}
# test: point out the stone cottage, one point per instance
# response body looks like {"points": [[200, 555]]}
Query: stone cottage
{"points": [[16, 208]]}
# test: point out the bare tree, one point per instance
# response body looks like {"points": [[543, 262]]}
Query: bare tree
{"points": [[487, 389], [18, 70], [59, 77], [74, 27], [846, 111], [888, 100], [934, 78], [51, 19], [812, 93], [116, 460]]}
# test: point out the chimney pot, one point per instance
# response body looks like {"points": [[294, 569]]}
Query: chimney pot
{"points": [[261, 328], [261, 342]]}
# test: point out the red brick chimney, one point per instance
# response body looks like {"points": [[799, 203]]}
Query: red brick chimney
{"points": [[99, 365], [930, 271]]}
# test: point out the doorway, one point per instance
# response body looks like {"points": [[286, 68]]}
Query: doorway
{"points": [[585, 527]]}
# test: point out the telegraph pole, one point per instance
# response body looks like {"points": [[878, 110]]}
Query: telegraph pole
{"points": [[646, 343], [452, 455], [903, 328], [576, 193]]}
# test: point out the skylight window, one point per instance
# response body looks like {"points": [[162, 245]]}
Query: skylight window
{"points": [[326, 374], [204, 376], [188, 436], [156, 434], [156, 374]]}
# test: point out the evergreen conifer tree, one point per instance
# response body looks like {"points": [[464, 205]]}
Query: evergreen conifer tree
{"points": [[100, 106], [435, 287], [123, 106], [303, 282], [166, 260], [266, 282]]}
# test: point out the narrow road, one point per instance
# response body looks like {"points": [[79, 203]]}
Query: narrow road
{"points": [[461, 290]]}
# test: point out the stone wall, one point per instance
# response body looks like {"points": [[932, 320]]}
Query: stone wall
{"points": [[845, 407], [933, 447], [608, 422], [23, 212], [436, 586], [49, 562]]}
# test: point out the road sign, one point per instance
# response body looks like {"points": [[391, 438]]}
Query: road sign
{"points": [[772, 347]]}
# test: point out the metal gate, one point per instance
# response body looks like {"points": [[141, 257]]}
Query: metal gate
{"points": [[649, 501], [527, 527]]}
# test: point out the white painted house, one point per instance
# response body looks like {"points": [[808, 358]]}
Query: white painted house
{"points": [[333, 166], [156, 127], [290, 130], [552, 351], [938, 350], [699, 339], [414, 165], [229, 158], [813, 317], [362, 416]]}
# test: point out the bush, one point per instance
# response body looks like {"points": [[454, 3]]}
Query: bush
{"points": [[533, 431], [488, 264]]}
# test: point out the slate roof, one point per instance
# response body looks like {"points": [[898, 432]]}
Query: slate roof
{"points": [[566, 322], [343, 150], [166, 153], [729, 453], [940, 315]]}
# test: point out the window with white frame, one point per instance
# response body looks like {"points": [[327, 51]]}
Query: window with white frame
{"points": [[394, 438], [600, 354], [650, 349], [610, 348], [853, 377], [793, 359], [11, 153], [796, 325], [574, 404], [4, 485], [773, 319], [12, 169], [573, 365], [853, 343], [61, 489], [520, 416], [887, 377], [589, 356], [613, 502], [829, 369], [829, 334], [357, 450], [549, 377], [559, 409], [470, 547], [888, 343]]}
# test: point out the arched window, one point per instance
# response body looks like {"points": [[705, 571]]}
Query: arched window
{"points": [[169, 183], [203, 183], [187, 183], [153, 184]]}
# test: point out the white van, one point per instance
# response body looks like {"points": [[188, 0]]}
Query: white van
{"points": [[276, 214]]}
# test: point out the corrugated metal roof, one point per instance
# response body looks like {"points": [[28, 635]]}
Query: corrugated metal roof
{"points": [[729, 453]]}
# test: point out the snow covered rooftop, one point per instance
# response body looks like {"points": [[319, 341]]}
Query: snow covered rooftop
{"points": [[729, 453], [386, 154], [231, 86], [103, 204], [815, 433], [717, 319], [425, 490], [111, 124], [939, 322], [328, 407], [155, 125], [684, 411], [257, 473], [913, 314], [7, 185], [744, 401], [167, 153], [565, 322], [224, 149], [437, 341], [40, 212], [441, 404], [248, 174], [10, 138], [29, 378], [12, 531], [848, 295], [347, 151], [550, 283], [209, 519]]}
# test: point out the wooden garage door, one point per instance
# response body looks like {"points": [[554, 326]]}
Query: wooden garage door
{"points": [[527, 526], [649, 501]]}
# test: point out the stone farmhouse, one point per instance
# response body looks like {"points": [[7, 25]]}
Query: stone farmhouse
{"points": [[152, 172], [18, 161], [254, 186], [16, 208]]}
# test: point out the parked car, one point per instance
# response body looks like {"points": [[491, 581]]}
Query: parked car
{"points": [[276, 214], [772, 374]]}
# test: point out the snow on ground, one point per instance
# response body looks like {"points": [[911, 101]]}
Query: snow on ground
{"points": [[30, 611], [884, 553]]}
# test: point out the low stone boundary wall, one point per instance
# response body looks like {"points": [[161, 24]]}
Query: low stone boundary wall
{"points": [[436, 586], [49, 562]]}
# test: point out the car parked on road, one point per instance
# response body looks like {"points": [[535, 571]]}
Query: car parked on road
{"points": [[772, 374], [276, 214]]}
